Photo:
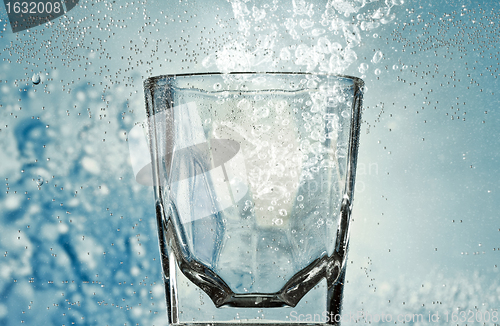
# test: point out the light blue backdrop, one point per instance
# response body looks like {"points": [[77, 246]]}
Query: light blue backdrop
{"points": [[78, 236]]}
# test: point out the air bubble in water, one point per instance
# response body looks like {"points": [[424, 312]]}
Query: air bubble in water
{"points": [[36, 79], [283, 212], [39, 181], [300, 198], [346, 114], [363, 68], [377, 57]]}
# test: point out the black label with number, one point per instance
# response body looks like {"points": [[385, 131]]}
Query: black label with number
{"points": [[27, 14]]}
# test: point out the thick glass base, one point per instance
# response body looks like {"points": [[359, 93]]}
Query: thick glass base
{"points": [[189, 304], [193, 307]]}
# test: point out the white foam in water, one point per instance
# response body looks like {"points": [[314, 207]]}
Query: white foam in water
{"points": [[310, 37], [12, 202], [303, 36], [270, 182], [90, 165], [3, 311]]}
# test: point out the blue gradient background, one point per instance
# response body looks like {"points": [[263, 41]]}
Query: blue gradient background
{"points": [[82, 247]]}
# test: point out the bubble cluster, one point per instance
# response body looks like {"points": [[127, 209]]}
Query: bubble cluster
{"points": [[316, 38]]}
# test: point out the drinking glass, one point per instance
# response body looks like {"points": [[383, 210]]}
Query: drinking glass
{"points": [[253, 177]]}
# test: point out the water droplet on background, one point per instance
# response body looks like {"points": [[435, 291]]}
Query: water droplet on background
{"points": [[363, 68], [36, 79], [377, 57]]}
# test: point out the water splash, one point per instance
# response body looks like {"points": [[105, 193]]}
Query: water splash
{"points": [[309, 37]]}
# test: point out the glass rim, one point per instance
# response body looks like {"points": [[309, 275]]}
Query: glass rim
{"points": [[152, 80]]}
